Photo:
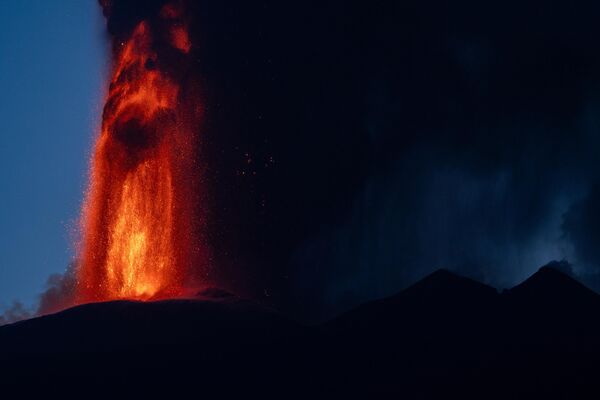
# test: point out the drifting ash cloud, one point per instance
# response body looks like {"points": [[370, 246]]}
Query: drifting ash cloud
{"points": [[16, 312], [57, 295]]}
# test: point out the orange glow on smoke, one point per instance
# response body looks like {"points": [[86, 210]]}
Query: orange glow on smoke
{"points": [[180, 39], [138, 233]]}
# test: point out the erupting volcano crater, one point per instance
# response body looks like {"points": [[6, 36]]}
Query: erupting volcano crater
{"points": [[140, 221]]}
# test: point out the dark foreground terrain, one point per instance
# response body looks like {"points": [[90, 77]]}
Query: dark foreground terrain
{"points": [[444, 337]]}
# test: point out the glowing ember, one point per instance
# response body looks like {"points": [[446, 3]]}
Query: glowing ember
{"points": [[138, 219]]}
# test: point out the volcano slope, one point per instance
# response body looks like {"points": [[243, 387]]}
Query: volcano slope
{"points": [[444, 336], [215, 343]]}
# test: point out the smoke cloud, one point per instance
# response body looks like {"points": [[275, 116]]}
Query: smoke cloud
{"points": [[16, 312], [59, 293]]}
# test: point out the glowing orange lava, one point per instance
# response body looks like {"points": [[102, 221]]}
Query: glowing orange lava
{"points": [[139, 236]]}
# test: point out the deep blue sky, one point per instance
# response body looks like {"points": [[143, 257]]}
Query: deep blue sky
{"points": [[52, 61]]}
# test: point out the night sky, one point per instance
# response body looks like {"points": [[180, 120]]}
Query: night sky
{"points": [[350, 148], [52, 61]]}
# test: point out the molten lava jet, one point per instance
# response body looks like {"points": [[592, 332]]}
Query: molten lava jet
{"points": [[139, 221]]}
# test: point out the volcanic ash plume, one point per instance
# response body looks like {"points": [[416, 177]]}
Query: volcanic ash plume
{"points": [[140, 222]]}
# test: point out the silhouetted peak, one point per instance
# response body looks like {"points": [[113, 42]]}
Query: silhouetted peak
{"points": [[550, 272], [443, 274], [441, 293], [448, 284], [549, 283], [562, 266]]}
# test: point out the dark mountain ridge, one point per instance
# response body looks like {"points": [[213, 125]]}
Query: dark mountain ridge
{"points": [[444, 336]]}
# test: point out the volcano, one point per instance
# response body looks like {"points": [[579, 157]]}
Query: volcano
{"points": [[446, 335]]}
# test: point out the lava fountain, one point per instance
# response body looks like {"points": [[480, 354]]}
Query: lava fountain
{"points": [[140, 219]]}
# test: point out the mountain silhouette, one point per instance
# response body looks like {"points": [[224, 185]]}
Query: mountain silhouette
{"points": [[145, 348], [552, 286], [450, 336], [444, 337], [446, 283], [440, 296]]}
